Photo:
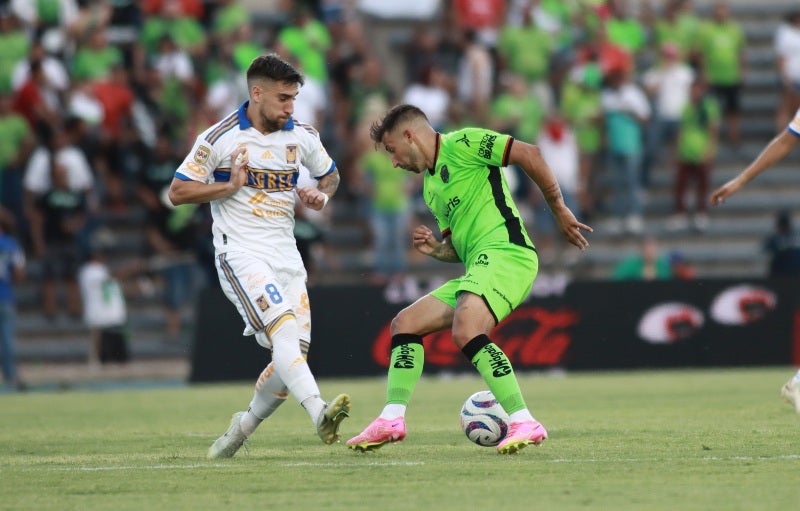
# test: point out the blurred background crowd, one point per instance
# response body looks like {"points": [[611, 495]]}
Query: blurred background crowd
{"points": [[101, 99]]}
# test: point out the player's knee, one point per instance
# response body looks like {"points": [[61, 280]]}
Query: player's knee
{"points": [[283, 333], [403, 323]]}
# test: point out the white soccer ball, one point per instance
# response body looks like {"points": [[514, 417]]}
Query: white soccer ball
{"points": [[483, 419]]}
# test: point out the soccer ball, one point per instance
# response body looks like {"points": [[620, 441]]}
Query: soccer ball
{"points": [[483, 419]]}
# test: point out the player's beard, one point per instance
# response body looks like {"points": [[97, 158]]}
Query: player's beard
{"points": [[271, 125]]}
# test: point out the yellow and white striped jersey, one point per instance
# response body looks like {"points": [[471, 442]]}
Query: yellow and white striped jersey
{"points": [[259, 217]]}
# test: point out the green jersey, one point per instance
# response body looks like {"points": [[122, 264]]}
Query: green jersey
{"points": [[468, 195]]}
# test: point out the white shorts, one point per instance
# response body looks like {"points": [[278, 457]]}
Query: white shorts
{"points": [[262, 293]]}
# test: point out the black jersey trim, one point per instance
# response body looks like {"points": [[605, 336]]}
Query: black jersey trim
{"points": [[516, 233]]}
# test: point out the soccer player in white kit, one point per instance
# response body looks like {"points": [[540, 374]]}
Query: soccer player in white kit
{"points": [[778, 148], [247, 166]]}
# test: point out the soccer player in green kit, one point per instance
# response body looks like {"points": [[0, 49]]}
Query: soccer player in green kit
{"points": [[480, 227]]}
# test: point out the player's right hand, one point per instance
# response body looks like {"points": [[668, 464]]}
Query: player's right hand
{"points": [[424, 240], [239, 162], [725, 191]]}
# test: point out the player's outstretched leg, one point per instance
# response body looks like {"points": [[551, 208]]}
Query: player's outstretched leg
{"points": [[379, 432], [521, 434], [791, 391], [331, 416], [227, 445]]}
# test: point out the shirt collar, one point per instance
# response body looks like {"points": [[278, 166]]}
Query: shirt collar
{"points": [[244, 122]]}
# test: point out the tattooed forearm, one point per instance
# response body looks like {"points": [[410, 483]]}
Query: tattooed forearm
{"points": [[446, 253], [552, 194], [329, 183]]}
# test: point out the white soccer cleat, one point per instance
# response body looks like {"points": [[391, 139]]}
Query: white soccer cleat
{"points": [[227, 445], [791, 393]]}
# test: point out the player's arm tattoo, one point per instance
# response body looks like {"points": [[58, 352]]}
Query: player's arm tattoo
{"points": [[552, 194], [445, 252], [329, 183]]}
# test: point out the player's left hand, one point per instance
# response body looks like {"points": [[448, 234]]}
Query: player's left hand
{"points": [[312, 197], [571, 228]]}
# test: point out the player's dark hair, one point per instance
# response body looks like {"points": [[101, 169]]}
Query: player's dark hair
{"points": [[272, 67], [395, 116]]}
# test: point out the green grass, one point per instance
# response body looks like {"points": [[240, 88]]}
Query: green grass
{"points": [[673, 440]]}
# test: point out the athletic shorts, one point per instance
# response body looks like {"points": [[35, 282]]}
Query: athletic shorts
{"points": [[502, 276], [264, 294]]}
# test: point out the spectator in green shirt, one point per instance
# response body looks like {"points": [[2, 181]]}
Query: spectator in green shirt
{"points": [[697, 147], [309, 40], [95, 59], [648, 263], [516, 111], [186, 31], [580, 105], [14, 46], [16, 143], [722, 52], [623, 30], [525, 50], [678, 25]]}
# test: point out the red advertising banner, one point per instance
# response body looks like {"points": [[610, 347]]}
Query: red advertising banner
{"points": [[582, 326]]}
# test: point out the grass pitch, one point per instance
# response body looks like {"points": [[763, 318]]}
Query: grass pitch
{"points": [[668, 440]]}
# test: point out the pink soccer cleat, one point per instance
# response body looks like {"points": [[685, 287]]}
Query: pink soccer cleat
{"points": [[379, 432], [521, 434]]}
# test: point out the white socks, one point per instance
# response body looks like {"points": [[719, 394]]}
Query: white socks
{"points": [[520, 416], [393, 411], [292, 368]]}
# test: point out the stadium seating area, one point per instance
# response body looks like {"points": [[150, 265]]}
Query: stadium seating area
{"points": [[731, 246]]}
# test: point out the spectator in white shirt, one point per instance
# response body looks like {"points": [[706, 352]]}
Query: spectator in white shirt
{"points": [[667, 84]]}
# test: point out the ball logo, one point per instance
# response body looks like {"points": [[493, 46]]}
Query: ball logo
{"points": [[743, 304], [669, 322]]}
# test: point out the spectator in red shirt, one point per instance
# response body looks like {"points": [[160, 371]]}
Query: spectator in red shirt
{"points": [[29, 101], [116, 97]]}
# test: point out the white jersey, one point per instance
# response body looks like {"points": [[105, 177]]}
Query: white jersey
{"points": [[103, 301], [259, 217]]}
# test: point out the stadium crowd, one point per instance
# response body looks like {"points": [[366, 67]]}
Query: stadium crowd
{"points": [[101, 99]]}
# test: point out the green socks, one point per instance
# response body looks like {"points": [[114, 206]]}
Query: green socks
{"points": [[405, 367], [496, 370]]}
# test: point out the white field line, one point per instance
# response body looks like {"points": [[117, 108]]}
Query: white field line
{"points": [[195, 466], [216, 465]]}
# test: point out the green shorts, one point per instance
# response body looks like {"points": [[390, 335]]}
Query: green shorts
{"points": [[502, 276]]}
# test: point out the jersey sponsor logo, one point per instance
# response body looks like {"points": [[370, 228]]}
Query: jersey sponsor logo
{"points": [[291, 154], [463, 139], [271, 180], [196, 168], [445, 173], [487, 146], [451, 205], [482, 260], [201, 154]]}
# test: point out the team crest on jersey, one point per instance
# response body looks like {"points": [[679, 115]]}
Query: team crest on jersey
{"points": [[262, 303], [445, 173], [202, 154], [291, 154]]}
